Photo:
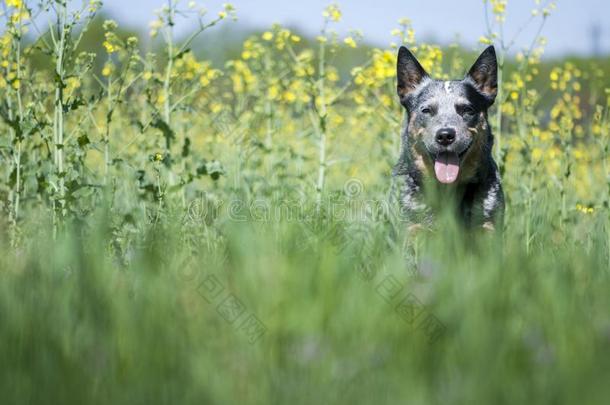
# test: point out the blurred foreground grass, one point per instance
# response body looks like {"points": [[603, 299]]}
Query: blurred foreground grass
{"points": [[304, 311]]}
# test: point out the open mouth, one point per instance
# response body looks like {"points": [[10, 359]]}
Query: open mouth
{"points": [[447, 166]]}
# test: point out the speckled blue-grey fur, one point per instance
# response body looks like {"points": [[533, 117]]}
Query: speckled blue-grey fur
{"points": [[460, 105]]}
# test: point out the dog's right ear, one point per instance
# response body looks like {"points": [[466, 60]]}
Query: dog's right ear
{"points": [[409, 73], [484, 74]]}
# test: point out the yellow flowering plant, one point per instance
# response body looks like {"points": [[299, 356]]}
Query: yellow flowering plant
{"points": [[280, 113]]}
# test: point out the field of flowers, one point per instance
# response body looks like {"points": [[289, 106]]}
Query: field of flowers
{"points": [[179, 231]]}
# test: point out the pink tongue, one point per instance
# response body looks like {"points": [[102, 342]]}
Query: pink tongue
{"points": [[447, 167]]}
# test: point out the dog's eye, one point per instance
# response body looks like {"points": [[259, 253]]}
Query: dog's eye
{"points": [[465, 110], [426, 110]]}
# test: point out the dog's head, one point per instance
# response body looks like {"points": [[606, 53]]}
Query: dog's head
{"points": [[447, 119]]}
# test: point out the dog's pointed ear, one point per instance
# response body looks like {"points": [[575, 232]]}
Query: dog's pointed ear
{"points": [[484, 73], [409, 73]]}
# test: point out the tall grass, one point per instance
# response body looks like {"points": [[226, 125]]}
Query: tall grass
{"points": [[338, 317]]}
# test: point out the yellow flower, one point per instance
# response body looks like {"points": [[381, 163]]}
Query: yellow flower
{"points": [[545, 136], [155, 26], [508, 109], [109, 47], [107, 70], [229, 8], [485, 41], [94, 5], [273, 92], [14, 3], [410, 36], [132, 41], [20, 16], [268, 36], [349, 41], [216, 107], [584, 209], [72, 84], [289, 96], [332, 75], [499, 6], [332, 12], [536, 154]]}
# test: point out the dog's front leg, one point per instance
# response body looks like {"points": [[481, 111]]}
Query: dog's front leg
{"points": [[489, 205], [414, 211]]}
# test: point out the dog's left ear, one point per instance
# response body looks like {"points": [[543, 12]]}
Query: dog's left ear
{"points": [[484, 74], [409, 73]]}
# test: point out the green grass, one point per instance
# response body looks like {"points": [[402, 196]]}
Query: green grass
{"points": [[90, 318]]}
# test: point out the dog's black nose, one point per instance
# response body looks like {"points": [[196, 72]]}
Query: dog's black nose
{"points": [[445, 136]]}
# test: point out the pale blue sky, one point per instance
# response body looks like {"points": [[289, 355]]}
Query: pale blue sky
{"points": [[568, 29]]}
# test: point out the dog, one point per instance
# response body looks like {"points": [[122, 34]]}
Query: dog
{"points": [[447, 143]]}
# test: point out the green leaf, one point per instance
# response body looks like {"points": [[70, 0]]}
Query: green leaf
{"points": [[83, 140]]}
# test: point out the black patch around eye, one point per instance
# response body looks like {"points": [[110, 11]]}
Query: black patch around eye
{"points": [[465, 110], [474, 97], [419, 98]]}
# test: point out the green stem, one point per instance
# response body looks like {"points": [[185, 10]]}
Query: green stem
{"points": [[167, 106], [498, 129], [58, 127], [107, 134], [13, 191], [322, 125], [269, 124]]}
